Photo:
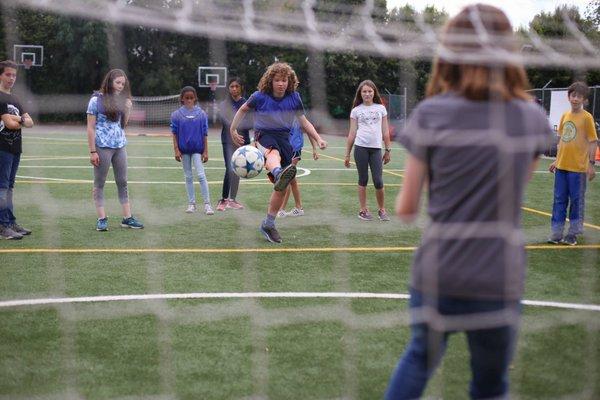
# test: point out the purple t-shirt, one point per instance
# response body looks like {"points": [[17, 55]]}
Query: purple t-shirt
{"points": [[478, 155], [273, 115]]}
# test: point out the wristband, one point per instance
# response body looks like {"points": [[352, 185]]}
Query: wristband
{"points": [[92, 152], [388, 150]]}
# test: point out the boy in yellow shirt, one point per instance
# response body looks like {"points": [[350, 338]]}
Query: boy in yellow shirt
{"points": [[574, 163]]}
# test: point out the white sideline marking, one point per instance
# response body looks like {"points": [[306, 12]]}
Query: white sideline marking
{"points": [[304, 172], [262, 295]]}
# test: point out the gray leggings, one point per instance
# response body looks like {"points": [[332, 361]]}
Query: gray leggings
{"points": [[118, 159], [366, 157]]}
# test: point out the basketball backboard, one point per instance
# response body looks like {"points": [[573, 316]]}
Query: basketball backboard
{"points": [[212, 76], [28, 55]]}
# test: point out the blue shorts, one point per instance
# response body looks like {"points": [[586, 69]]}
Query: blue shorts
{"points": [[279, 142]]}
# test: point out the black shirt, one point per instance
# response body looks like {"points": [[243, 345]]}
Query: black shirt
{"points": [[10, 140]]}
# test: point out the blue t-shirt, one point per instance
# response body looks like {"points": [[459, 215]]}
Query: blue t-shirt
{"points": [[274, 115], [108, 133], [191, 127], [296, 136]]}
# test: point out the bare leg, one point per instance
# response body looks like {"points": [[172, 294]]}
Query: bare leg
{"points": [[273, 159], [379, 193], [362, 197], [275, 202], [100, 212], [286, 196], [126, 210], [296, 193]]}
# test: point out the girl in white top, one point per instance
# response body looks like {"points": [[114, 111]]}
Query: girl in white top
{"points": [[368, 129]]}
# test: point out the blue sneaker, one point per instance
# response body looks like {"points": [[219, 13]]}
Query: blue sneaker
{"points": [[131, 222], [102, 224]]}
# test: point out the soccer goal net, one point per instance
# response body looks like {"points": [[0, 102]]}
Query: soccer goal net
{"points": [[153, 111], [198, 304]]}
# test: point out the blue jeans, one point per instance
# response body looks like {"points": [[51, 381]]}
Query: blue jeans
{"points": [[491, 350], [9, 163], [569, 190], [186, 161]]}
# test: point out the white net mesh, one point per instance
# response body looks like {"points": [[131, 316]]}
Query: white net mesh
{"points": [[211, 311]]}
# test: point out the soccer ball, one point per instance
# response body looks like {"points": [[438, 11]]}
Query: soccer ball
{"points": [[247, 161]]}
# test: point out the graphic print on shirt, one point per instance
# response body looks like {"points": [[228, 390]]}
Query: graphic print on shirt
{"points": [[569, 131], [368, 118], [12, 110]]}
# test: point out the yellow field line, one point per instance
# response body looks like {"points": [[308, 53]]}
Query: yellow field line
{"points": [[533, 210], [267, 250], [351, 162]]}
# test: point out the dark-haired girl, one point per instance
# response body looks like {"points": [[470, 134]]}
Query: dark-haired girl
{"points": [[227, 109], [189, 125]]}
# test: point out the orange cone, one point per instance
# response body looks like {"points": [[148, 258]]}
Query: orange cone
{"points": [[598, 154]]}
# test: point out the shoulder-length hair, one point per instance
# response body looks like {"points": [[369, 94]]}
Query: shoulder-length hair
{"points": [[265, 84], [472, 35], [114, 105], [358, 98]]}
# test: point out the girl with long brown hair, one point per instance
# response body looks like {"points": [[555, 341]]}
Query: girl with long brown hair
{"points": [[107, 115], [368, 130]]}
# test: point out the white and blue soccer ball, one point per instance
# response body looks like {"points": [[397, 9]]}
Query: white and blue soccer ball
{"points": [[247, 161]]}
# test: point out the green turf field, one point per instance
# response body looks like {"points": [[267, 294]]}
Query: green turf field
{"points": [[247, 347]]}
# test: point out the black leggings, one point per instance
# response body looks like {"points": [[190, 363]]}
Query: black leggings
{"points": [[231, 181], [366, 157]]}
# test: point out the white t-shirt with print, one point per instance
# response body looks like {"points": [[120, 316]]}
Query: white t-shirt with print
{"points": [[368, 120]]}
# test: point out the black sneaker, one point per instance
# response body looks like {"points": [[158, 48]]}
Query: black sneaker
{"points": [[570, 240], [19, 229], [270, 233], [9, 234], [555, 238], [284, 178]]}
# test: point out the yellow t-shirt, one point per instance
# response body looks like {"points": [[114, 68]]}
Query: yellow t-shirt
{"points": [[576, 131]]}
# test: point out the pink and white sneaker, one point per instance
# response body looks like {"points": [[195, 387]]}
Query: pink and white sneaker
{"points": [[234, 205], [221, 205]]}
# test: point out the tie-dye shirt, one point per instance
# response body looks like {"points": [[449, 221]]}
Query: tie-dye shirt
{"points": [[108, 133]]}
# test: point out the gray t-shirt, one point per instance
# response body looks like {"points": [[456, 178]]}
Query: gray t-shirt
{"points": [[478, 155]]}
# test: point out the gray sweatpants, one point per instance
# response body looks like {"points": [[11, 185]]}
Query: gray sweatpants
{"points": [[366, 157], [118, 159]]}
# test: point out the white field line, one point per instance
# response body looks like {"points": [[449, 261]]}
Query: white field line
{"points": [[304, 172], [180, 168], [136, 140], [261, 295], [353, 170]]}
